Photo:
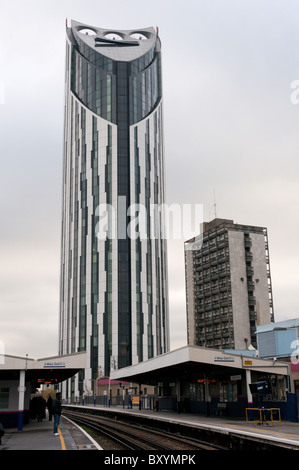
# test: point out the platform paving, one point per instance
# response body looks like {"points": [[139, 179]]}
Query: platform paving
{"points": [[283, 434], [39, 436]]}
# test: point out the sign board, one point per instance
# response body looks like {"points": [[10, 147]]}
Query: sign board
{"points": [[235, 377], [135, 400], [47, 382], [203, 381], [247, 363], [224, 359], [54, 365]]}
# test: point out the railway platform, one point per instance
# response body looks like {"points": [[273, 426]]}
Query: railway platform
{"points": [[39, 436], [283, 435]]}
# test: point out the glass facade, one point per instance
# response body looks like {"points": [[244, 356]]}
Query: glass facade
{"points": [[114, 300], [116, 91]]}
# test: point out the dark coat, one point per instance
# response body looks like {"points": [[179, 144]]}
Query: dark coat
{"points": [[49, 403], [56, 406]]}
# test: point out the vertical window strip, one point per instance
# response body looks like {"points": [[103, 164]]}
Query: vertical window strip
{"points": [[108, 259], [109, 98], [139, 316], [84, 229], [75, 230], [94, 252], [149, 246], [157, 266]]}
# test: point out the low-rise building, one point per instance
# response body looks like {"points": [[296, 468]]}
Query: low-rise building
{"points": [[279, 341]]}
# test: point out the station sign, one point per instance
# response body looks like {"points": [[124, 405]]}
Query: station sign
{"points": [[135, 400], [247, 363], [203, 381], [224, 359], [54, 365], [47, 381], [235, 377]]}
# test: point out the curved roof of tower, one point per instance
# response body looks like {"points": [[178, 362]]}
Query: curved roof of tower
{"points": [[118, 45]]}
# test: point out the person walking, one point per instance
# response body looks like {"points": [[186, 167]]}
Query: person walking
{"points": [[41, 408], [56, 411]]}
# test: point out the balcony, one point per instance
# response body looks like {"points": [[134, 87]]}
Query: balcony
{"points": [[252, 316], [251, 300], [250, 285]]}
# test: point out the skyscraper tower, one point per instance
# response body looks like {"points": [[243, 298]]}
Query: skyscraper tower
{"points": [[228, 285], [114, 289]]}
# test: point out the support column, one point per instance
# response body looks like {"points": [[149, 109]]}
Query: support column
{"points": [[139, 393], [21, 390], [248, 381], [178, 395], [207, 395]]}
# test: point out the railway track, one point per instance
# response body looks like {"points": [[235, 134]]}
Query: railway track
{"points": [[138, 437]]}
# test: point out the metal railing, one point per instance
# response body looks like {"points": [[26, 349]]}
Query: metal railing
{"points": [[263, 415]]}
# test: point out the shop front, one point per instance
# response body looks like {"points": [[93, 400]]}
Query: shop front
{"points": [[227, 396]]}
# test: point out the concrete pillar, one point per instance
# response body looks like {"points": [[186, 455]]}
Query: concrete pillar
{"points": [[178, 395], [248, 381], [21, 390], [139, 393], [207, 395]]}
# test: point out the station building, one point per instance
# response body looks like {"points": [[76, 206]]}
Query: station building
{"points": [[211, 381], [20, 376], [280, 340], [191, 379]]}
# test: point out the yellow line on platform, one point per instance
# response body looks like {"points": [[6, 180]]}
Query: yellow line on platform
{"points": [[263, 429], [61, 440]]}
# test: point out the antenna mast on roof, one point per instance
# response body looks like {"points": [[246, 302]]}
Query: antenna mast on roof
{"points": [[215, 212]]}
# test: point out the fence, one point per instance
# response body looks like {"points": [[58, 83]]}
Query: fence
{"points": [[263, 415]]}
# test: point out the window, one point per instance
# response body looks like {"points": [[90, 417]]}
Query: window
{"points": [[228, 391]]}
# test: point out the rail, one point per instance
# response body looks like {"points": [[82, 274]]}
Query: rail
{"points": [[136, 437]]}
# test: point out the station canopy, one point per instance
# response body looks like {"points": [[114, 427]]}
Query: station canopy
{"points": [[51, 370], [195, 362]]}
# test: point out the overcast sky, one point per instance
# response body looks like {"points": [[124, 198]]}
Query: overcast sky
{"points": [[230, 129]]}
